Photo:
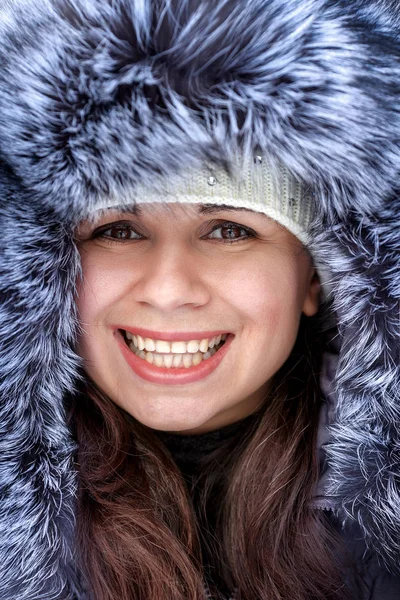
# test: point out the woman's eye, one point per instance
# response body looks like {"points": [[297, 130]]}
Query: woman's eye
{"points": [[117, 231], [124, 232], [230, 233]]}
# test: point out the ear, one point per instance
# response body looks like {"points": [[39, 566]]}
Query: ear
{"points": [[312, 298]]}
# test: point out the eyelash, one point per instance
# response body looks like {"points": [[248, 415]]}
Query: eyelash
{"points": [[100, 233]]}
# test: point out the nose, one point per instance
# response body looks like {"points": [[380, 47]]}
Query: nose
{"points": [[170, 277]]}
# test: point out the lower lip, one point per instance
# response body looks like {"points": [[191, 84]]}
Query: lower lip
{"points": [[173, 376]]}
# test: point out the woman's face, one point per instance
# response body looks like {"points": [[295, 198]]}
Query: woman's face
{"points": [[179, 272]]}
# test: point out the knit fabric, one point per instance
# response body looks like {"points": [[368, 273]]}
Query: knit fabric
{"points": [[188, 451], [252, 183]]}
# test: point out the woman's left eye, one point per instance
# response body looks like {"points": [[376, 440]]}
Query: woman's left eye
{"points": [[231, 230]]}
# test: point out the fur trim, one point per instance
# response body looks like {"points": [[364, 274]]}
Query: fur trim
{"points": [[97, 94]]}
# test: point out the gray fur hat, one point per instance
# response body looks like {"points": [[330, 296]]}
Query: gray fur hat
{"points": [[97, 95]]}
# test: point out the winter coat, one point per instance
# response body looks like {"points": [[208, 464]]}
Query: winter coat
{"points": [[97, 95]]}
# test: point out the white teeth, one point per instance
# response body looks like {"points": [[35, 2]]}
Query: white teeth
{"points": [[149, 344], [193, 346], [163, 347], [203, 345], [168, 359], [158, 360], [196, 349], [149, 357], [187, 360], [178, 347], [197, 358], [177, 360], [174, 360]]}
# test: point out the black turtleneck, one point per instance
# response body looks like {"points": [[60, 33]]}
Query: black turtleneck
{"points": [[189, 453]]}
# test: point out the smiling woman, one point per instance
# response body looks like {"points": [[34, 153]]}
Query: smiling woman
{"points": [[199, 300], [195, 323], [174, 275]]}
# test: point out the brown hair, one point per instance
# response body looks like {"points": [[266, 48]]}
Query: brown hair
{"points": [[143, 534]]}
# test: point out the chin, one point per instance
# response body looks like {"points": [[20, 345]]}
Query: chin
{"points": [[174, 426]]}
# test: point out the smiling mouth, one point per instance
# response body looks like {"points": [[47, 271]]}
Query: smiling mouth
{"points": [[178, 356]]}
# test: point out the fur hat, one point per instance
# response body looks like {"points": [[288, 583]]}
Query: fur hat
{"points": [[96, 96]]}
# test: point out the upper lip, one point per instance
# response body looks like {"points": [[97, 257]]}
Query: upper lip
{"points": [[184, 336]]}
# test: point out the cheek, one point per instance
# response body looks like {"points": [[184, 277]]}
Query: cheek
{"points": [[99, 289], [268, 297], [264, 290], [103, 282]]}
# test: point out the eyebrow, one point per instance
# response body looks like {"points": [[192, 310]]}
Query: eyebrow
{"points": [[205, 209], [202, 209]]}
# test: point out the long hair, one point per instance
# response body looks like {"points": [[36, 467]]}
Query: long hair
{"points": [[143, 533]]}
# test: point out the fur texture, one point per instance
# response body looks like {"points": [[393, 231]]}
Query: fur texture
{"points": [[97, 94]]}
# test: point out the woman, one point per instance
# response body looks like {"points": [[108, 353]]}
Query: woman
{"points": [[211, 182]]}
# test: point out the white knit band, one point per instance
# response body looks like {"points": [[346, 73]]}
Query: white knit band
{"points": [[252, 184]]}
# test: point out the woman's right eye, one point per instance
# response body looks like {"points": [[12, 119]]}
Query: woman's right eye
{"points": [[118, 232]]}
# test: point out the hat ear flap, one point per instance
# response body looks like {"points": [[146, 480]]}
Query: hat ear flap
{"points": [[37, 367]]}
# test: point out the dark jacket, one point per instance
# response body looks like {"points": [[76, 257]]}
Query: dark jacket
{"points": [[97, 95]]}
